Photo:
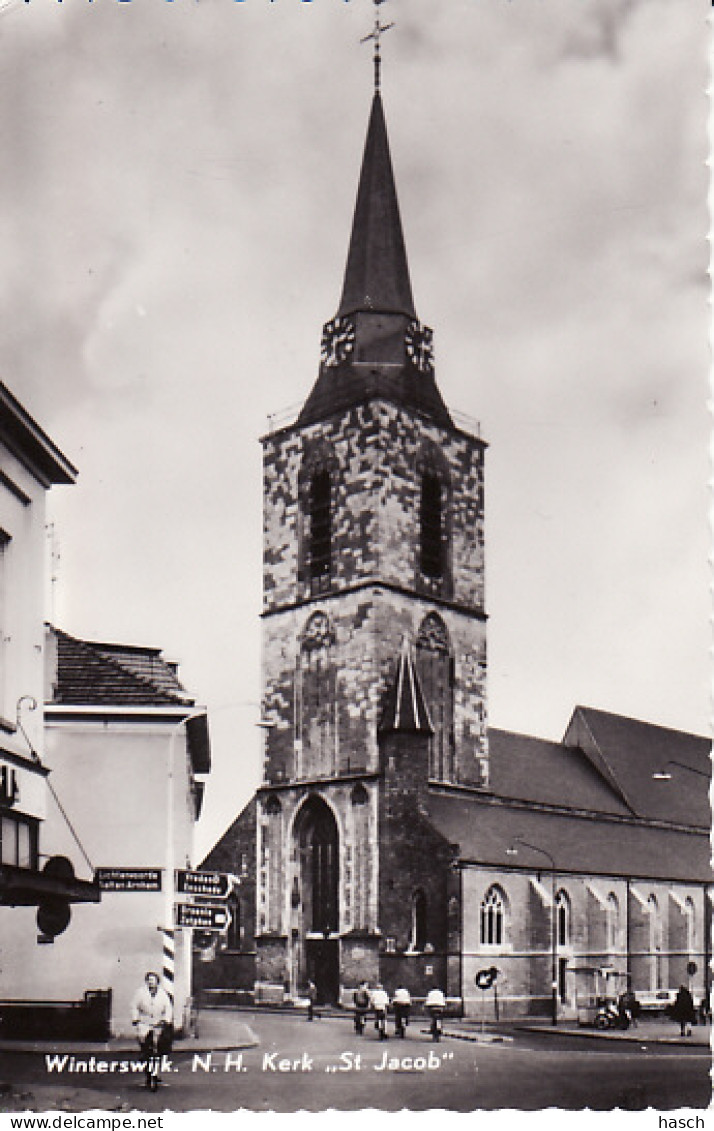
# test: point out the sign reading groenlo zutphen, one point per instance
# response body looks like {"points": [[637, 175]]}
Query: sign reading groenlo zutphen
{"points": [[202, 916]]}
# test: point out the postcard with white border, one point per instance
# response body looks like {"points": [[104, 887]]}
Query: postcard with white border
{"points": [[355, 685]]}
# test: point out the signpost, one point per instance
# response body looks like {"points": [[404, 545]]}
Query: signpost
{"points": [[484, 980], [202, 916], [214, 885]]}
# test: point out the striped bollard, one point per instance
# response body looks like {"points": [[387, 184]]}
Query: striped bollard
{"points": [[169, 963]]}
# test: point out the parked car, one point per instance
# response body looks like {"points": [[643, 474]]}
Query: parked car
{"points": [[655, 1001]]}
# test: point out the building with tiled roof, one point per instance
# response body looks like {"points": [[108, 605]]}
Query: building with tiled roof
{"points": [[129, 750], [396, 837]]}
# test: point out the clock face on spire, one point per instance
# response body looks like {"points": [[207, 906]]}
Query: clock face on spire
{"points": [[418, 340], [338, 340]]}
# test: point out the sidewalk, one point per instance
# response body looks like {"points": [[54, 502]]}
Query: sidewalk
{"points": [[647, 1032], [218, 1031]]}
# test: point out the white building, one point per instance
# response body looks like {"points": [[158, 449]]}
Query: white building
{"points": [[99, 751], [34, 892], [126, 744]]}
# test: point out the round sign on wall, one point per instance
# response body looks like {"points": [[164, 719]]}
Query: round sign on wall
{"points": [[485, 978]]}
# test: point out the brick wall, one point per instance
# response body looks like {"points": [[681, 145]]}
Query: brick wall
{"points": [[414, 857], [359, 961], [524, 958], [234, 852]]}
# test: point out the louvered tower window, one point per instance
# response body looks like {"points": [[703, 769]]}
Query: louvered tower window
{"points": [[431, 523], [320, 528]]}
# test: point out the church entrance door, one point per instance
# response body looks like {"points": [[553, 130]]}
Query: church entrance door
{"points": [[322, 959]]}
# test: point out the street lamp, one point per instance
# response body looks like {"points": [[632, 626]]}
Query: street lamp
{"points": [[513, 851], [664, 775]]}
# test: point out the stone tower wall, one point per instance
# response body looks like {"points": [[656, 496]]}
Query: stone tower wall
{"points": [[375, 453], [376, 594]]}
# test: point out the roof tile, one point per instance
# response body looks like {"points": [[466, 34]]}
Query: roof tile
{"points": [[109, 675]]}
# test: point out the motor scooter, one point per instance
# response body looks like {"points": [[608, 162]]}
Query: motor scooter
{"points": [[609, 1016]]}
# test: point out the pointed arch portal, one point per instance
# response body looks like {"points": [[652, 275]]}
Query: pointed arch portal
{"points": [[318, 883]]}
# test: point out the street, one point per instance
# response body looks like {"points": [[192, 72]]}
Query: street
{"points": [[297, 1065]]}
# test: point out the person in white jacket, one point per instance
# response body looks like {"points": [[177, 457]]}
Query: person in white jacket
{"points": [[152, 1017], [435, 1004], [401, 1004], [435, 999], [380, 1005]]}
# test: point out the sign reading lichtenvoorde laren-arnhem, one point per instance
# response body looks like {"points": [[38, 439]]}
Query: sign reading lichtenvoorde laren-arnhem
{"points": [[128, 879]]}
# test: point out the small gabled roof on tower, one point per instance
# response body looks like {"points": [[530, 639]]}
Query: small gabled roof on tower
{"points": [[377, 274], [405, 709]]}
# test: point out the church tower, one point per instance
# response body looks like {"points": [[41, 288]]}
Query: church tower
{"points": [[374, 635]]}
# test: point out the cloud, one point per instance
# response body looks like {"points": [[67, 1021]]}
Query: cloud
{"points": [[175, 206]]}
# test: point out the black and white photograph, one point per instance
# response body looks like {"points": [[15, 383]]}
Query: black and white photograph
{"points": [[355, 590]]}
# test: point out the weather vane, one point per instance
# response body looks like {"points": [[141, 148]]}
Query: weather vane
{"points": [[375, 35]]}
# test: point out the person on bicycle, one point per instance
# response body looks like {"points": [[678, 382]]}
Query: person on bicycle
{"points": [[435, 1005], [380, 1005], [362, 1004], [402, 1003], [152, 1017]]}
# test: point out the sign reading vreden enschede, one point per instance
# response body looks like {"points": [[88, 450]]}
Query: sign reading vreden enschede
{"points": [[215, 885]]}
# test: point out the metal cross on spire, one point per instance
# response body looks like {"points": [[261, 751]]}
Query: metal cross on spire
{"points": [[375, 34]]}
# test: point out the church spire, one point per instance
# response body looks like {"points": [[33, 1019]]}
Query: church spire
{"points": [[377, 274], [405, 709], [375, 346]]}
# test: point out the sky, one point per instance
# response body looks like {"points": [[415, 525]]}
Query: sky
{"points": [[176, 195]]}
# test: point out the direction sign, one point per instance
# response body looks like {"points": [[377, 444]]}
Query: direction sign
{"points": [[217, 885], [202, 916], [128, 879]]}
